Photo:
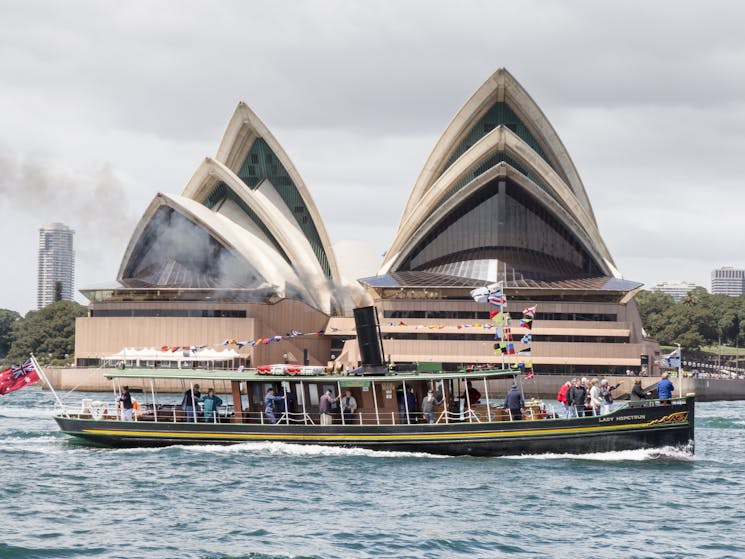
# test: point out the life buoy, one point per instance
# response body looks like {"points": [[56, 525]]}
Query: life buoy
{"points": [[293, 369], [264, 369], [98, 410]]}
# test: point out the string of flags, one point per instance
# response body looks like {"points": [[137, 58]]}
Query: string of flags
{"points": [[494, 295], [477, 325], [243, 343]]}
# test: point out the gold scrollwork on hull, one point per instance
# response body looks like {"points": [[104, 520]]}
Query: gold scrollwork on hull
{"points": [[677, 417]]}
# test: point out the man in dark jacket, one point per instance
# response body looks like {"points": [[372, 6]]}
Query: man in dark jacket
{"points": [[125, 401], [513, 401], [189, 403], [637, 392], [576, 397]]}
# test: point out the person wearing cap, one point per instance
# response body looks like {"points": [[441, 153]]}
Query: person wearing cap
{"points": [[513, 401]]}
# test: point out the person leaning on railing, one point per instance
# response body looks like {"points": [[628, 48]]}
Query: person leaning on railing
{"points": [[637, 392]]}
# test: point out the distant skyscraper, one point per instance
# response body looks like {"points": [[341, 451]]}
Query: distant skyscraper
{"points": [[728, 281], [56, 264], [676, 289]]}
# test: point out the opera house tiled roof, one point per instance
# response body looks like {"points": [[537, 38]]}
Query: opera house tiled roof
{"points": [[500, 199], [245, 221]]}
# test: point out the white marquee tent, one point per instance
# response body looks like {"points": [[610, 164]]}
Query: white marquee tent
{"points": [[149, 356]]}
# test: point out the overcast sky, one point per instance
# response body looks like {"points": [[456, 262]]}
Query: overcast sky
{"points": [[104, 104]]}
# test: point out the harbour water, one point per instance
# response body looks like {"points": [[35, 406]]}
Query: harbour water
{"points": [[61, 498]]}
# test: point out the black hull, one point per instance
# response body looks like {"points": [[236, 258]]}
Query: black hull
{"points": [[625, 429]]}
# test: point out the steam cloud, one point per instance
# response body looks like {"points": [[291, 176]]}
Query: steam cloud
{"points": [[92, 202]]}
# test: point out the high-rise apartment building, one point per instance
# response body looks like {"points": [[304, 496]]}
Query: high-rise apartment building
{"points": [[56, 264], [676, 289], [728, 281]]}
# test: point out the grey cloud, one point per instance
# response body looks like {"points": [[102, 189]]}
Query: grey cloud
{"points": [[646, 96]]}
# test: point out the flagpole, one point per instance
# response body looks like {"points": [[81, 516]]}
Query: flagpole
{"points": [[680, 369], [41, 372]]}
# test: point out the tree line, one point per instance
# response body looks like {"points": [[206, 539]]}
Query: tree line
{"points": [[48, 333], [698, 320]]}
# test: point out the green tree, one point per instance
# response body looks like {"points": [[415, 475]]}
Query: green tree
{"points": [[653, 306], [49, 333], [7, 319]]}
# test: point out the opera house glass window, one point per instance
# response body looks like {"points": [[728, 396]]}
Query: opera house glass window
{"points": [[500, 225]]}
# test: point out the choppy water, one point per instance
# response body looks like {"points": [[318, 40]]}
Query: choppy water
{"points": [[62, 498]]}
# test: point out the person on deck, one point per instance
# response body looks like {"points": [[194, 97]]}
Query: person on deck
{"points": [[562, 397], [637, 392], [665, 390], [411, 403], [125, 403], [513, 401], [269, 401], [325, 407], [189, 403], [576, 397], [348, 407], [401, 401], [595, 399], [606, 393], [211, 404], [473, 395], [428, 406]]}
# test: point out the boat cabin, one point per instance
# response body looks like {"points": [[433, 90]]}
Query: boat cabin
{"points": [[295, 395]]}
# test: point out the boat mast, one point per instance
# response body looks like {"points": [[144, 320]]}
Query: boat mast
{"points": [[43, 375], [155, 406]]}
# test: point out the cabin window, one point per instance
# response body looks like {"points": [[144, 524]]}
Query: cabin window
{"points": [[313, 393], [298, 390]]}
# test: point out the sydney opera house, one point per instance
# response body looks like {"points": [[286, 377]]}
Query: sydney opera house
{"points": [[242, 254]]}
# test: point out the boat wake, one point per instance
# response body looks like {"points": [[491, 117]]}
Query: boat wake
{"points": [[640, 455], [284, 449]]}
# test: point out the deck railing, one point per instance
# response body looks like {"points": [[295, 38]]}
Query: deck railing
{"points": [[478, 413]]}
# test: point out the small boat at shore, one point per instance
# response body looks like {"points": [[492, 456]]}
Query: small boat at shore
{"points": [[386, 416]]}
